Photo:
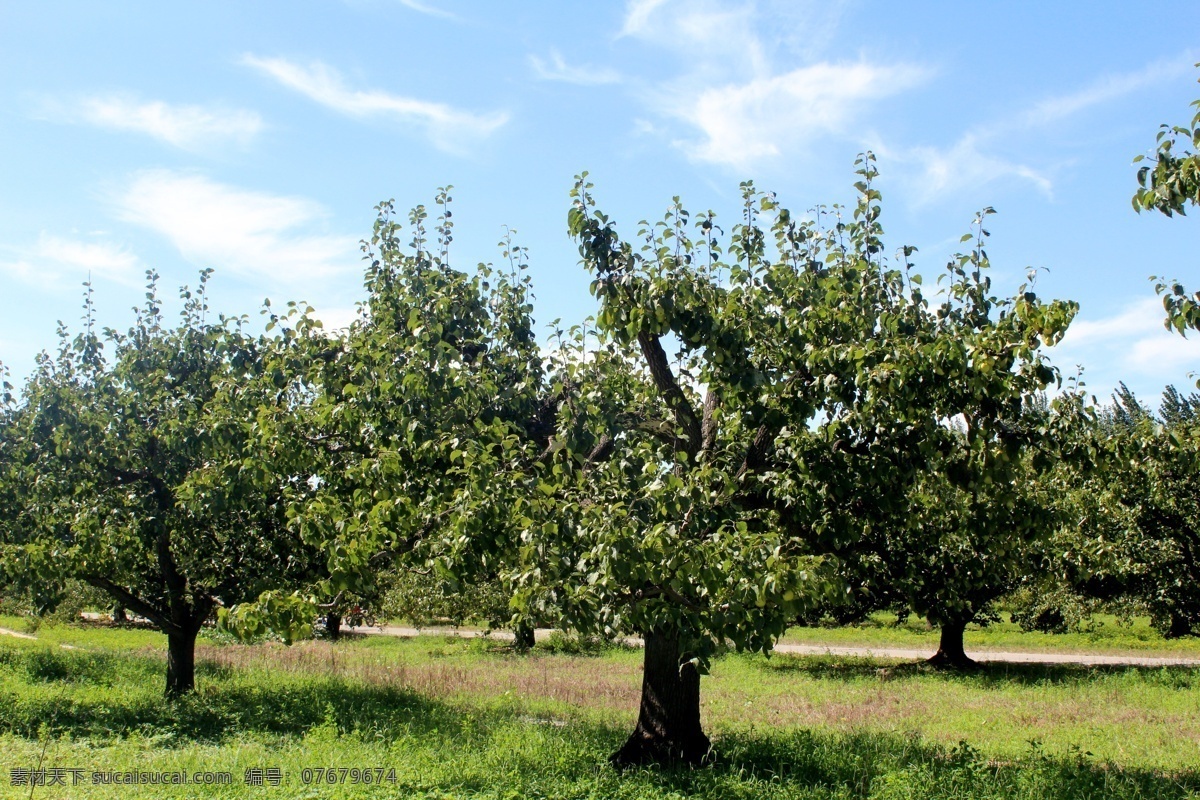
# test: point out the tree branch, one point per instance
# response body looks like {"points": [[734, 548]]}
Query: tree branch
{"points": [[132, 602], [708, 425], [668, 387], [756, 453]]}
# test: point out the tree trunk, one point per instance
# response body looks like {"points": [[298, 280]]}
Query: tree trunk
{"points": [[950, 653], [1179, 626], [181, 663], [118, 614], [333, 626], [523, 635], [668, 727]]}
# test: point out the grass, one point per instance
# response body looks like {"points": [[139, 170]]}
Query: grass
{"points": [[467, 718], [1107, 636]]}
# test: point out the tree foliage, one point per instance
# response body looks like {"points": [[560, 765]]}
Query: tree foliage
{"points": [[697, 498], [403, 427], [1169, 186], [122, 476], [1136, 533]]}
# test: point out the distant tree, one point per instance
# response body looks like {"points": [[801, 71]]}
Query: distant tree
{"points": [[397, 427], [119, 475], [964, 527], [1149, 487], [1169, 186]]}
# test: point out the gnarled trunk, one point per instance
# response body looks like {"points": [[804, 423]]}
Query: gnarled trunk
{"points": [[181, 662], [668, 728], [950, 653]]}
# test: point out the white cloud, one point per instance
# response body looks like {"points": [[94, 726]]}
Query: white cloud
{"points": [[1131, 346], [962, 165], [1104, 90], [189, 127], [967, 163], [425, 8], [584, 75], [55, 260], [337, 318], [637, 15], [449, 128], [715, 40], [252, 234], [744, 123], [745, 108]]}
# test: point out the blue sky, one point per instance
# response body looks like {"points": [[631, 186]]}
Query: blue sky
{"points": [[256, 138]]}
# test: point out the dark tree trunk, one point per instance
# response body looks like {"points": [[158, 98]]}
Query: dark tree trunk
{"points": [[181, 662], [1179, 626], [119, 614], [950, 653], [523, 638], [668, 728], [333, 626]]}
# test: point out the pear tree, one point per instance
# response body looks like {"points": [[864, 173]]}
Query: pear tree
{"points": [[120, 466]]}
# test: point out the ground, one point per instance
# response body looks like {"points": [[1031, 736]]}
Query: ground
{"points": [[468, 718]]}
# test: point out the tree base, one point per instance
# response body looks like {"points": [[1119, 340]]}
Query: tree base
{"points": [[959, 662], [523, 637], [1178, 628], [668, 730], [643, 748]]}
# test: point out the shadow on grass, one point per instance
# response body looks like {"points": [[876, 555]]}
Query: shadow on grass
{"points": [[880, 765], [89, 695], [988, 675], [540, 759]]}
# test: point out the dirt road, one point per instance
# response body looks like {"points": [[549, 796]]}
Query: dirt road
{"points": [[898, 653], [902, 654]]}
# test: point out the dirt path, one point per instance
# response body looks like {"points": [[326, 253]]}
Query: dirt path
{"points": [[7, 632], [903, 654], [898, 653]]}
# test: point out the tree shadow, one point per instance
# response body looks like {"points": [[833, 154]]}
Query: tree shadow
{"points": [[215, 713], [882, 764], [756, 763], [104, 696], [988, 674]]}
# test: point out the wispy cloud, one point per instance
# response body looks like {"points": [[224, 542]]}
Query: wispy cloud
{"points": [[745, 108], [557, 69], [714, 40], [637, 16], [425, 8], [252, 234], [448, 128], [1131, 345], [970, 161], [1103, 90], [55, 261], [189, 127], [744, 123], [963, 164]]}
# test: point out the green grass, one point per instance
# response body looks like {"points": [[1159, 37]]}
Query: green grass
{"points": [[82, 634], [458, 718], [1106, 637]]}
